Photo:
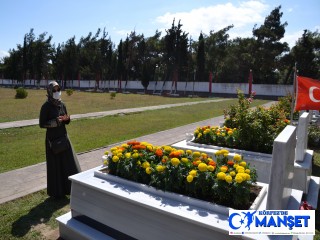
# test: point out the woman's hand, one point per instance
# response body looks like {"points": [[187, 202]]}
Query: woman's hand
{"points": [[63, 118]]}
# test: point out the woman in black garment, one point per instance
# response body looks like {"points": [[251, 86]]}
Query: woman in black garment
{"points": [[54, 117]]}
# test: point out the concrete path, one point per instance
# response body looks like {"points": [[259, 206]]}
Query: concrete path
{"points": [[21, 182]]}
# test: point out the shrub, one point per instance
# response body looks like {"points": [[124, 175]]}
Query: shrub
{"points": [[21, 93], [314, 137], [256, 128], [69, 92], [112, 95], [284, 103]]}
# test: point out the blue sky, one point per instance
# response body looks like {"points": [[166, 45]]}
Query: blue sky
{"points": [[64, 19]]}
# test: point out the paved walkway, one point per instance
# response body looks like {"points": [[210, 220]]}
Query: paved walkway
{"points": [[21, 182]]}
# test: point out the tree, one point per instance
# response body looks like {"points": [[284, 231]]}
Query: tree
{"points": [[306, 53], [269, 49], [216, 45], [200, 59], [175, 51]]}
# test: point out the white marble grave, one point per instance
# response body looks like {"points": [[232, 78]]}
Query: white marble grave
{"points": [[108, 207]]}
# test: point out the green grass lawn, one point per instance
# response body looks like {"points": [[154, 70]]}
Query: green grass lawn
{"points": [[79, 102]]}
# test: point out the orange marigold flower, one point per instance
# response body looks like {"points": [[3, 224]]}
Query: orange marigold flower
{"points": [[175, 154], [133, 143], [195, 163], [159, 152], [164, 160], [230, 163], [212, 163]]}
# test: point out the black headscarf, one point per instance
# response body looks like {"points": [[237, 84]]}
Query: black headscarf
{"points": [[56, 102]]}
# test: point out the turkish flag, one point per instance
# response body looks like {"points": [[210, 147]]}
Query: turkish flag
{"points": [[308, 94]]}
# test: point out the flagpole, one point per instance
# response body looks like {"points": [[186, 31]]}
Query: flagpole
{"points": [[294, 92]]}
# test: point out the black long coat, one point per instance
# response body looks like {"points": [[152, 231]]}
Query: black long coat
{"points": [[59, 166]]}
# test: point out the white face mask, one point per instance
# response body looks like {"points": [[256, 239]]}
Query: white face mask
{"points": [[56, 95]]}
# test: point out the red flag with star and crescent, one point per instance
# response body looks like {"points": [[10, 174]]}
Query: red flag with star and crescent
{"points": [[308, 94]]}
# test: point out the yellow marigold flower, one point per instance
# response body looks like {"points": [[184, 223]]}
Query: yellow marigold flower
{"points": [[149, 147], [218, 153], [113, 149], [196, 132], [124, 145], [175, 161], [106, 152], [247, 176], [230, 132], [184, 160], [228, 179], [206, 131], [240, 169], [238, 179], [145, 164], [202, 167], [105, 162], [243, 164], [196, 154], [181, 151], [221, 176], [235, 165], [237, 157], [138, 163], [144, 143], [210, 159], [204, 155], [224, 151], [247, 171], [148, 170], [223, 134], [211, 168], [160, 168], [189, 152], [168, 149], [119, 154], [115, 158], [135, 150], [224, 169], [128, 155], [189, 178], [193, 173], [135, 155], [199, 135], [232, 173]]}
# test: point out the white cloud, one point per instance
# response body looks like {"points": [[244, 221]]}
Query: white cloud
{"points": [[3, 54], [291, 38], [216, 17]]}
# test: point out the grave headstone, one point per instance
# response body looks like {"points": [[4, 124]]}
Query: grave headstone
{"points": [[282, 169], [302, 136]]}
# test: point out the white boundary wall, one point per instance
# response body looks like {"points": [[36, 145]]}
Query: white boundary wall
{"points": [[201, 87]]}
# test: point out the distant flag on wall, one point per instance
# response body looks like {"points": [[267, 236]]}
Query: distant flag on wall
{"points": [[308, 94]]}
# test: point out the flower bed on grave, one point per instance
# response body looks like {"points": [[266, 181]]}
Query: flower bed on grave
{"points": [[246, 129], [223, 179]]}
